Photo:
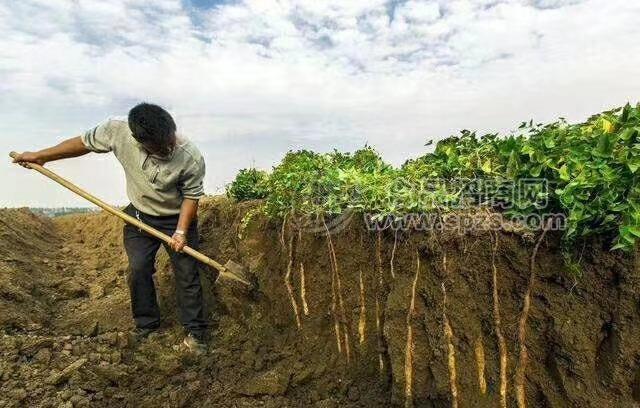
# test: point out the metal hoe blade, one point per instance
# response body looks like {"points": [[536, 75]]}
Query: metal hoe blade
{"points": [[241, 272]]}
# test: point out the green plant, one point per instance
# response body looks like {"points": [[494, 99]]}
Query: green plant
{"points": [[249, 184]]}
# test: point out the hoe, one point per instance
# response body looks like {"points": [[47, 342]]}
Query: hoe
{"points": [[230, 270]]}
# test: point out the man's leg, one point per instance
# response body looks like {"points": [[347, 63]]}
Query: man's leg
{"points": [[141, 251], [189, 287]]}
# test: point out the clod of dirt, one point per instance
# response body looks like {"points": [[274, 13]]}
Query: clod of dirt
{"points": [[273, 382], [73, 289], [111, 373], [32, 347], [64, 375], [43, 356], [96, 292]]}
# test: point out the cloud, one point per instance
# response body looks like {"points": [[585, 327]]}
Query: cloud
{"points": [[247, 80]]}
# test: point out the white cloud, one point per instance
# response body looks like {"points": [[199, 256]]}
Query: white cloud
{"points": [[249, 80]]}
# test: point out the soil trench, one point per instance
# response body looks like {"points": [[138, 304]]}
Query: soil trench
{"points": [[65, 318]]}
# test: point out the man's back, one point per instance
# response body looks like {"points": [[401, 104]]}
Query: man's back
{"points": [[156, 185]]}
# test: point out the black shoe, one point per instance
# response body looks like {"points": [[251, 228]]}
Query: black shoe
{"points": [[195, 343], [141, 333]]}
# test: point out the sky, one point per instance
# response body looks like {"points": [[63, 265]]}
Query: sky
{"points": [[249, 80]]}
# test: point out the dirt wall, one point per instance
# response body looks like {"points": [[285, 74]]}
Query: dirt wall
{"points": [[581, 334], [29, 273]]}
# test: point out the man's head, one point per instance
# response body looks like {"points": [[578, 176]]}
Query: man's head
{"points": [[153, 127]]}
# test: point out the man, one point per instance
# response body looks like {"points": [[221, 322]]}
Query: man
{"points": [[164, 175]]}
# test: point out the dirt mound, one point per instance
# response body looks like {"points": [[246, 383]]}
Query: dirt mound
{"points": [[29, 268], [334, 323]]}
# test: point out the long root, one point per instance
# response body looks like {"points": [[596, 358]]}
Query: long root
{"points": [[408, 362], [451, 362], [337, 298], [448, 336], [334, 310], [393, 254], [287, 281], [379, 316], [480, 362], [362, 323], [522, 326], [343, 316], [303, 291], [303, 284], [282, 231], [502, 345], [381, 367]]}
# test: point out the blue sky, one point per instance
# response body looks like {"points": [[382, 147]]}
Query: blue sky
{"points": [[249, 80], [206, 4]]}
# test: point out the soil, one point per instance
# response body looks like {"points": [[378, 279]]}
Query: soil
{"points": [[65, 319]]}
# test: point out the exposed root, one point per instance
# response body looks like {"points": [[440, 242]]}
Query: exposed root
{"points": [[362, 323], [451, 362], [303, 285], [345, 327], [336, 327], [502, 345], [379, 317], [448, 336], [334, 310], [408, 361], [393, 254], [522, 326], [381, 364], [334, 298], [289, 285], [337, 288], [379, 259], [480, 361], [282, 230], [303, 291], [408, 369]]}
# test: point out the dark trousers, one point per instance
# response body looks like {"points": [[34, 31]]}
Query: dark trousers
{"points": [[141, 250]]}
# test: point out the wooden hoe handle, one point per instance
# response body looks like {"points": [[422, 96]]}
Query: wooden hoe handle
{"points": [[224, 272]]}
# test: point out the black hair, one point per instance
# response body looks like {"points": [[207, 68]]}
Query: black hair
{"points": [[154, 127]]}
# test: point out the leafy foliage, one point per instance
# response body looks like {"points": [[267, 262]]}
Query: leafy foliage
{"points": [[591, 170], [249, 184], [308, 183]]}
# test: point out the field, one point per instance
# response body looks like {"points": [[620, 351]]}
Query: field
{"points": [[349, 315]]}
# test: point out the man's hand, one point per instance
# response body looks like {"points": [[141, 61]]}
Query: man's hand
{"points": [[188, 211], [25, 158], [178, 241], [73, 147]]}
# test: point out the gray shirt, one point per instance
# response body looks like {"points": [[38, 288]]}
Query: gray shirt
{"points": [[155, 185]]}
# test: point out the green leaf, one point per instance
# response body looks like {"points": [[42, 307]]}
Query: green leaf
{"points": [[607, 126], [625, 113], [549, 141], [634, 231], [486, 166], [620, 245], [536, 170], [605, 144]]}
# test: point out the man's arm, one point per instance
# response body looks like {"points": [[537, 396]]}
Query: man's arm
{"points": [[188, 211], [69, 148]]}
